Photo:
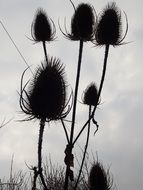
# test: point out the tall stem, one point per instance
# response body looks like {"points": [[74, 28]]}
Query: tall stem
{"points": [[76, 91], [84, 153], [74, 110], [41, 131]]}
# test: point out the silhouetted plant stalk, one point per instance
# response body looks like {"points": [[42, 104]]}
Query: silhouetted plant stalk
{"points": [[41, 131], [45, 98], [90, 99], [98, 96], [84, 153], [34, 177], [92, 113], [108, 32], [74, 113], [45, 51], [76, 91], [65, 130], [82, 30], [39, 170]]}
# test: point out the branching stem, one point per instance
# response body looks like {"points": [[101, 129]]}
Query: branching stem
{"points": [[99, 92]]}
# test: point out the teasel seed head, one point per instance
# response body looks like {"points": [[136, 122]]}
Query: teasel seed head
{"points": [[90, 95], [46, 96], [109, 27], [42, 28], [82, 23], [99, 178]]}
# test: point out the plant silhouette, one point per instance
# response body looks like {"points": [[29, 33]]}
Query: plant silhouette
{"points": [[44, 97]]}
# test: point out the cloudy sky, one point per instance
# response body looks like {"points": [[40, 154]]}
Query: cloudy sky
{"points": [[119, 141]]}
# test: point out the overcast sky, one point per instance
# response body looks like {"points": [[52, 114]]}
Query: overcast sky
{"points": [[119, 141]]}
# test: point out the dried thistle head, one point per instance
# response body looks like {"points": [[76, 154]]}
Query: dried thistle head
{"points": [[90, 95], [109, 28], [99, 178], [42, 28], [82, 23], [46, 96]]}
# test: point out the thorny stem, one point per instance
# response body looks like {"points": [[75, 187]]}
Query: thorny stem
{"points": [[74, 111], [45, 51], [41, 131], [99, 92], [85, 150]]}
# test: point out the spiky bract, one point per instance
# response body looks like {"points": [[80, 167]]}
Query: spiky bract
{"points": [[109, 28], [90, 95], [46, 95], [42, 28], [99, 179], [83, 23]]}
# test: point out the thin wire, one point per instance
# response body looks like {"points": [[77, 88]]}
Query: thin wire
{"points": [[72, 4], [15, 45]]}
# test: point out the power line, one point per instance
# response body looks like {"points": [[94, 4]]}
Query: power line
{"points": [[15, 45]]}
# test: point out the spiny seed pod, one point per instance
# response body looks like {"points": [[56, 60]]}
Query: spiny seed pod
{"points": [[90, 95], [83, 23], [99, 179], [42, 28], [109, 28], [46, 96]]}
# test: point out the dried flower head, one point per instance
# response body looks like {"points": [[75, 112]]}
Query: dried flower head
{"points": [[99, 179], [83, 23], [42, 28], [90, 95], [46, 96], [109, 28]]}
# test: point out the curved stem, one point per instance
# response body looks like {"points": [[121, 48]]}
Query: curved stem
{"points": [[74, 110], [41, 131], [85, 150], [103, 75], [45, 51], [65, 130], [99, 92]]}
